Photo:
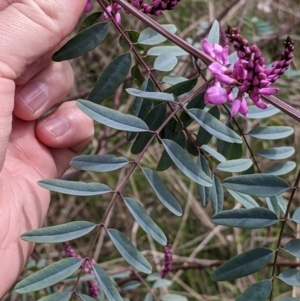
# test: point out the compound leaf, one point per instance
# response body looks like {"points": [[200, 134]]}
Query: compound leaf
{"points": [[129, 251], [106, 284], [261, 185], [243, 265], [253, 218], [59, 233], [112, 118], [74, 187], [111, 78], [162, 191], [49, 275], [184, 162], [145, 221]]}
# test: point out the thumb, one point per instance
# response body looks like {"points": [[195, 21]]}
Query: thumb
{"points": [[28, 30]]}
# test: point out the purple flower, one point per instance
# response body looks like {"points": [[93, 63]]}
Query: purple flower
{"points": [[219, 53], [249, 74], [88, 6], [216, 94]]}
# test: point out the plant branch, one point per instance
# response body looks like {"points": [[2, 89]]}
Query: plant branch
{"points": [[285, 219]]}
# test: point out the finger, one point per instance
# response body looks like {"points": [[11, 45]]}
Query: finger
{"points": [[37, 66], [38, 95], [38, 26], [67, 129], [28, 30]]}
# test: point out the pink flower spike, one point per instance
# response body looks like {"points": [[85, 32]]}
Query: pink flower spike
{"points": [[208, 48], [225, 57], [217, 68], [235, 107], [225, 79], [216, 95], [268, 91], [88, 6], [244, 107], [261, 104], [118, 18]]}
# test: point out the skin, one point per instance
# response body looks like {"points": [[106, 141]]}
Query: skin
{"points": [[30, 150]]}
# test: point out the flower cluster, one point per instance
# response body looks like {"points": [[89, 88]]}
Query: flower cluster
{"points": [[88, 6], [155, 8], [93, 287], [249, 75], [168, 261]]}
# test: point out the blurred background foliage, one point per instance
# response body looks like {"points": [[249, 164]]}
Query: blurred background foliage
{"points": [[198, 245]]}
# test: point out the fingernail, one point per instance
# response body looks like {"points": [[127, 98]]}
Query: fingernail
{"points": [[56, 125], [34, 95]]}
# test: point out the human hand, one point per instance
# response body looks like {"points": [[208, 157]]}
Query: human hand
{"points": [[30, 149]]}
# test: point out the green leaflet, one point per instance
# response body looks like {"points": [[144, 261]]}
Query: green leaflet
{"points": [[277, 153], [184, 162], [204, 192], [217, 195], [106, 284], [262, 185], [162, 191], [84, 42], [158, 96], [112, 118], [214, 33], [271, 132], [246, 200], [238, 165], [59, 233], [60, 296], [259, 291], [49, 275], [74, 187], [98, 163], [129, 252], [290, 277], [150, 37], [253, 218], [243, 265], [111, 78], [145, 221], [293, 247], [214, 126]]}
